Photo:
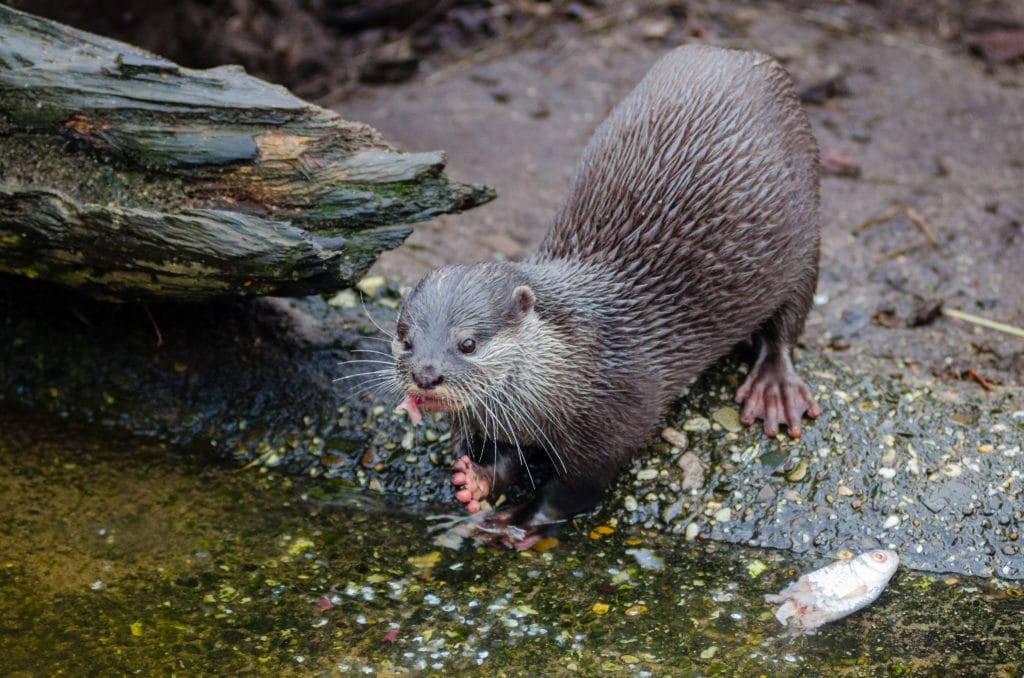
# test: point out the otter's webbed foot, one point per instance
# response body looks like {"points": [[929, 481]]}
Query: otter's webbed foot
{"points": [[774, 393], [474, 480]]}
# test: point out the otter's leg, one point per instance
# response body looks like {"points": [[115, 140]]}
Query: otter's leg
{"points": [[478, 480], [773, 391]]}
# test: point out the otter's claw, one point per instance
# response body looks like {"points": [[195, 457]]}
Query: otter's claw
{"points": [[774, 393]]}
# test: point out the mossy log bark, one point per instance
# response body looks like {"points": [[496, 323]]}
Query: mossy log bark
{"points": [[129, 177]]}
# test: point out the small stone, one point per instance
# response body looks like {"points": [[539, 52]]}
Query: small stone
{"points": [[635, 610], [630, 503], [728, 418], [693, 471], [370, 284], [887, 473], [647, 474], [655, 29], [723, 515], [891, 522], [344, 299], [600, 608], [845, 491], [697, 425], [674, 437], [692, 530], [628, 658]]}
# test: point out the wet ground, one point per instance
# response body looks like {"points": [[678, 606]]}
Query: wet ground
{"points": [[176, 564], [277, 523]]}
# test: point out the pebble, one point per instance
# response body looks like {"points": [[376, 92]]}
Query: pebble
{"points": [[697, 425], [693, 471], [887, 473], [728, 418], [370, 284], [655, 29], [674, 437], [647, 474], [630, 503], [344, 299], [891, 522], [692, 530]]}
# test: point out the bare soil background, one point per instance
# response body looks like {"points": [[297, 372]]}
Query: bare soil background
{"points": [[919, 109]]}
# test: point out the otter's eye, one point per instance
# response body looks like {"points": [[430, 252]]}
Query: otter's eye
{"points": [[467, 345], [406, 345]]}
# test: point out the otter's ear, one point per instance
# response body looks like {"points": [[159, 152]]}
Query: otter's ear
{"points": [[523, 300]]}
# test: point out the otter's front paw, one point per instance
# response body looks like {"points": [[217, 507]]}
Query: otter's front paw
{"points": [[473, 479], [774, 393]]}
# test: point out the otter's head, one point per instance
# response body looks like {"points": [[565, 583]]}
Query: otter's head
{"points": [[456, 336]]}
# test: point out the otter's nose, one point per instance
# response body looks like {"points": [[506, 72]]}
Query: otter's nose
{"points": [[427, 377]]}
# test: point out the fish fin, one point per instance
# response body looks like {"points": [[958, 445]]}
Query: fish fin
{"points": [[855, 593]]}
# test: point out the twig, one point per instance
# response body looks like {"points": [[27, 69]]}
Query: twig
{"points": [[915, 217], [922, 224], [984, 322], [971, 374]]}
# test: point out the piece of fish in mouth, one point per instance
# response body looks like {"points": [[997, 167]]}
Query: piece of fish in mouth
{"points": [[415, 405], [411, 406], [834, 591]]}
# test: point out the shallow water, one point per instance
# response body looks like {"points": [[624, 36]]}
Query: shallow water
{"points": [[128, 557]]}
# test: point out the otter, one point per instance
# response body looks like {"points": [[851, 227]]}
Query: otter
{"points": [[691, 226]]}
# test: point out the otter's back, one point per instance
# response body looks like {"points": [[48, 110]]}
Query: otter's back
{"points": [[710, 138], [699, 195]]}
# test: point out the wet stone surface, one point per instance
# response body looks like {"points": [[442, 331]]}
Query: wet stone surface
{"points": [[935, 475]]}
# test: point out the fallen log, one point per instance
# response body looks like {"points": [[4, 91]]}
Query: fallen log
{"points": [[129, 177]]}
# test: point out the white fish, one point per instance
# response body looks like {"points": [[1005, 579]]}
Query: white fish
{"points": [[835, 590]]}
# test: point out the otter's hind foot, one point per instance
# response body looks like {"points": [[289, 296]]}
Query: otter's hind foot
{"points": [[475, 481], [498, 528], [774, 393]]}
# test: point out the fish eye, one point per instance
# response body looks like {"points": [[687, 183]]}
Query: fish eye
{"points": [[467, 345], [879, 556]]}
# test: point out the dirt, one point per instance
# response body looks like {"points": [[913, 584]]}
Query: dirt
{"points": [[925, 108]]}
